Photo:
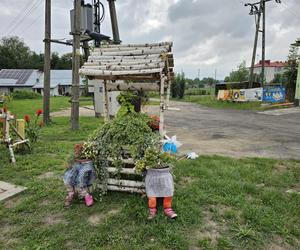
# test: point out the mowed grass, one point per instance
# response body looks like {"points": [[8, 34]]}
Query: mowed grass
{"points": [[222, 203], [29, 107], [212, 102]]}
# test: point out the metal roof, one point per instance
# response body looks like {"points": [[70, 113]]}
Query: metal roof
{"points": [[58, 77], [34, 78], [18, 77]]}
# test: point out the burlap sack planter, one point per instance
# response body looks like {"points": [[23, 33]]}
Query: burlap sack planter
{"points": [[159, 183]]}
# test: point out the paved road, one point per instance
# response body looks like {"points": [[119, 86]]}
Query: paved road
{"points": [[233, 132]]}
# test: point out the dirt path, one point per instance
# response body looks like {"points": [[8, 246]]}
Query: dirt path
{"points": [[83, 111]]}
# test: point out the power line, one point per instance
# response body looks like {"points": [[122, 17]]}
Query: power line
{"points": [[296, 14], [35, 6], [32, 23], [27, 7], [258, 9]]}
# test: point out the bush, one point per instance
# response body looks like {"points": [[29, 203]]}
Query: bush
{"points": [[25, 94]]}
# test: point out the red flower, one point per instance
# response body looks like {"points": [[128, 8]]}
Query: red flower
{"points": [[41, 123], [27, 118], [4, 110], [39, 112], [154, 123]]}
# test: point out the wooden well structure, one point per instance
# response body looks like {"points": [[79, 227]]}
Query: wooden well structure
{"points": [[147, 67]]}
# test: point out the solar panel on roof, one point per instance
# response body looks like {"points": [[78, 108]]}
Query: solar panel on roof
{"points": [[21, 76]]}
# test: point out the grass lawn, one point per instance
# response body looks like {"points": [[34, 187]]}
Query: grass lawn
{"points": [[222, 203], [28, 107], [212, 102]]}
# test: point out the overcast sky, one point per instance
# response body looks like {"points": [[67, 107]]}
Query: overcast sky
{"points": [[208, 35]]}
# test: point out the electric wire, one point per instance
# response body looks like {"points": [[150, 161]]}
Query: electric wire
{"points": [[22, 12], [18, 23], [32, 23], [296, 14]]}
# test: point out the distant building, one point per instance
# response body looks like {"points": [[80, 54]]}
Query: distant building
{"points": [[60, 83], [33, 80], [271, 68], [17, 79]]}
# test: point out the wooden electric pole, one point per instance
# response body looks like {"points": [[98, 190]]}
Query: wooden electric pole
{"points": [[258, 9], [76, 66], [263, 54], [47, 63], [114, 21]]}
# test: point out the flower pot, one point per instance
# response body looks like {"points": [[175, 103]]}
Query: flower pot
{"points": [[159, 183]]}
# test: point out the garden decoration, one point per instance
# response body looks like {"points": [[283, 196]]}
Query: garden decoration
{"points": [[159, 180], [171, 145], [116, 147], [13, 132], [119, 148], [79, 177], [147, 66]]}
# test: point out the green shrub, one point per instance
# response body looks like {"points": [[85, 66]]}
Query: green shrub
{"points": [[25, 94]]}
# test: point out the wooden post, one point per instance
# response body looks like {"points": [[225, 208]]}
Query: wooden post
{"points": [[169, 82], [47, 63], [162, 105], [106, 109], [21, 128], [6, 127], [75, 66]]}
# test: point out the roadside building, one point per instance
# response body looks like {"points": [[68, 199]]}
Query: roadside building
{"points": [[271, 69], [33, 80], [18, 79], [60, 83]]}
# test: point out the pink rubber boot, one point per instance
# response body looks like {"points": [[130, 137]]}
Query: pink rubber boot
{"points": [[170, 213], [69, 199], [89, 200], [152, 213]]}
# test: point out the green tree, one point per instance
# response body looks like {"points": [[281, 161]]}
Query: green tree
{"points": [[14, 53], [198, 83], [239, 75], [278, 78], [181, 87], [178, 86], [175, 85], [290, 73], [208, 81]]}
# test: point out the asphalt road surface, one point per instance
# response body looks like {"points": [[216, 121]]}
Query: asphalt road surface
{"points": [[237, 133]]}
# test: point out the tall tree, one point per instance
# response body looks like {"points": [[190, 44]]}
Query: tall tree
{"points": [[14, 53], [290, 74], [239, 75]]}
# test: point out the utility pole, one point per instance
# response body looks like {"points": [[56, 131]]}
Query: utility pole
{"points": [[76, 65], [47, 63], [114, 21], [263, 54], [258, 9], [215, 75]]}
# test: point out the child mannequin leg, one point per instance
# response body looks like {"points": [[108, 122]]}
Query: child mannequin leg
{"points": [[152, 207], [167, 203], [70, 195], [84, 193]]}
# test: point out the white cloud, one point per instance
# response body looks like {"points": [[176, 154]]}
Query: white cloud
{"points": [[207, 35]]}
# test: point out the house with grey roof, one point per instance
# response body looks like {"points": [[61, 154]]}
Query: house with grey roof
{"points": [[60, 83], [18, 79], [33, 80]]}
